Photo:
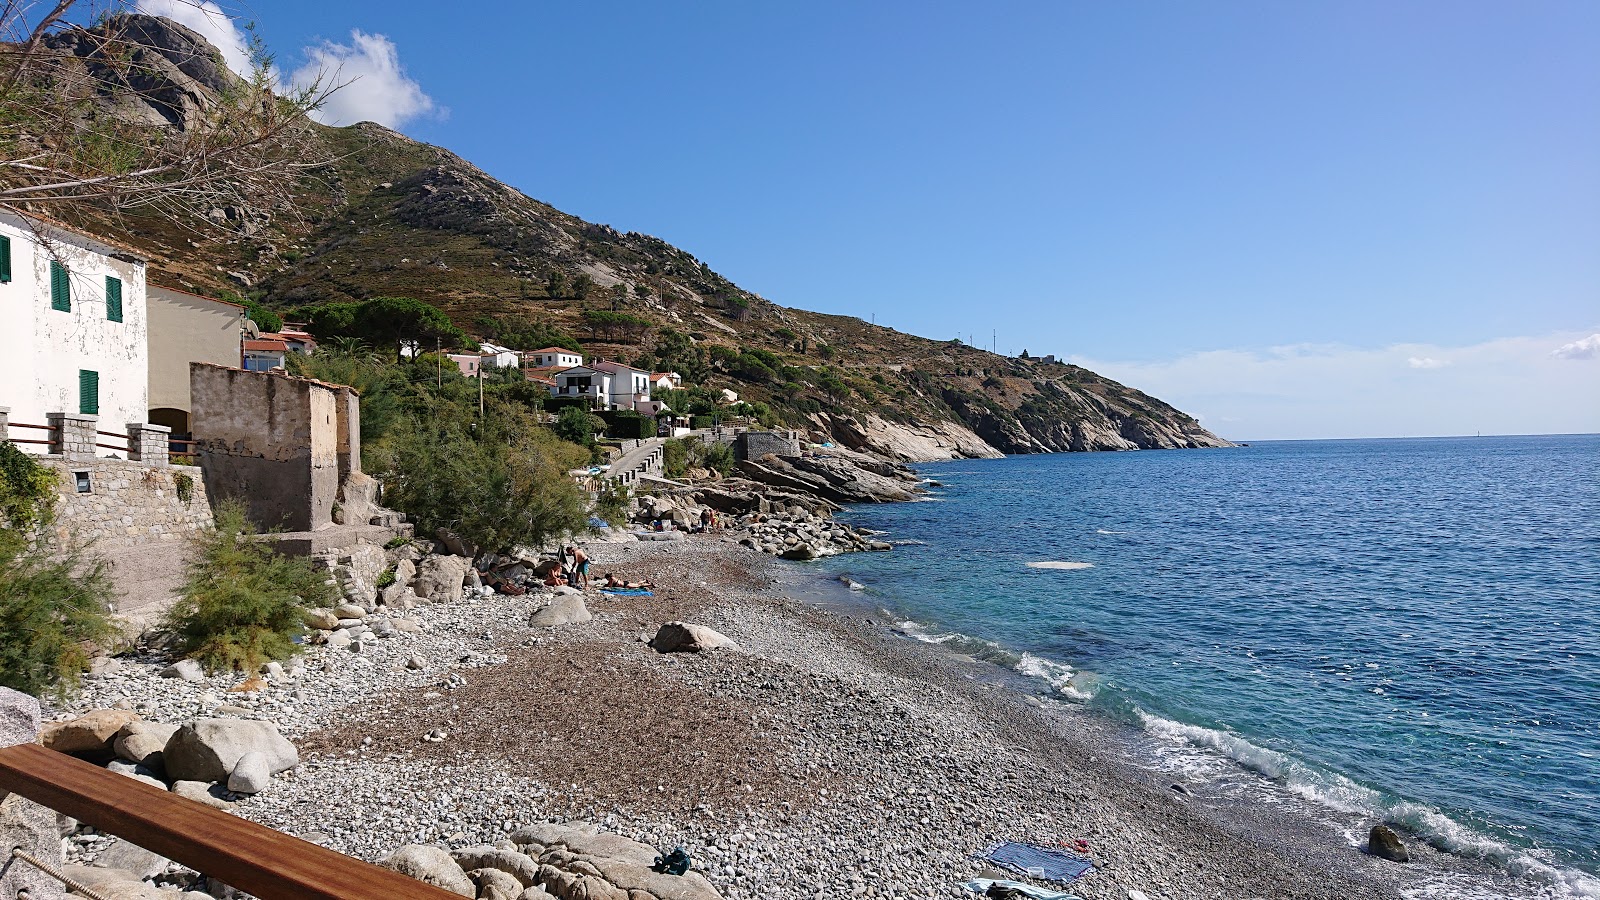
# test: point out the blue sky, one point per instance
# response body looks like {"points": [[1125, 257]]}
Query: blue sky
{"points": [[1294, 220]]}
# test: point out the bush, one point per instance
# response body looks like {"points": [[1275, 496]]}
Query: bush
{"points": [[242, 601], [612, 503], [718, 458], [701, 421], [627, 424], [51, 606], [497, 487], [576, 425], [675, 457]]}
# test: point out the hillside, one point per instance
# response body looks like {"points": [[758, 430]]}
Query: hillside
{"points": [[389, 216]]}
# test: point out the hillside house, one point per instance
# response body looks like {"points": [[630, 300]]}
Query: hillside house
{"points": [[264, 354], [74, 324], [630, 387], [186, 328], [665, 381], [499, 357], [296, 337], [553, 357], [468, 363], [582, 381]]}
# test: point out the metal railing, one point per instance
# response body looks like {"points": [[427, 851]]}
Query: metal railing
{"points": [[250, 857], [124, 446], [50, 434]]}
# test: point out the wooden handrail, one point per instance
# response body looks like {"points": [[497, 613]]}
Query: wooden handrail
{"points": [[26, 425], [253, 858]]}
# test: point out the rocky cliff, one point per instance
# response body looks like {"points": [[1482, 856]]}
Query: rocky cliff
{"points": [[384, 215]]}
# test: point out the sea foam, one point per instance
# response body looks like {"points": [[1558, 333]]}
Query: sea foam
{"points": [[1057, 564]]}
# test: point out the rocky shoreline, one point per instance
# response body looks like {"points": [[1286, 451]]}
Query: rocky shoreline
{"points": [[825, 758]]}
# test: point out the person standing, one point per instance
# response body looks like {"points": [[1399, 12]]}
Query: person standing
{"points": [[580, 568]]}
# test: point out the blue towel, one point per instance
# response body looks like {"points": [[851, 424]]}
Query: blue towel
{"points": [[627, 592], [1047, 863]]}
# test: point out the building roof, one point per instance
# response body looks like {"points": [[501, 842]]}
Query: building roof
{"points": [[655, 375], [267, 346], [152, 286], [615, 368], [290, 334], [37, 221], [557, 350]]}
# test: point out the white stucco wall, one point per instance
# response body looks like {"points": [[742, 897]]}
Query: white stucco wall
{"points": [[45, 348]]}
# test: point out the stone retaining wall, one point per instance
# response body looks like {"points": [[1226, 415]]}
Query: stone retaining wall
{"points": [[128, 504]]}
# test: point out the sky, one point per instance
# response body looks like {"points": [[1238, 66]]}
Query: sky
{"points": [[1306, 220]]}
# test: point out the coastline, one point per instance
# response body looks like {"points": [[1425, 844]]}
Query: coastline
{"points": [[832, 757]]}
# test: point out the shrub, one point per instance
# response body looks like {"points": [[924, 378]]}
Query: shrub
{"points": [[51, 606], [612, 503], [675, 457], [718, 458], [242, 601], [577, 425], [497, 486]]}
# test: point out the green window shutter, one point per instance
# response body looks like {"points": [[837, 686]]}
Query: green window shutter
{"points": [[60, 287], [5, 259], [88, 392], [114, 299]]}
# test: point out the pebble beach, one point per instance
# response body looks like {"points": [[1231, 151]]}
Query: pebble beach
{"points": [[827, 757]]}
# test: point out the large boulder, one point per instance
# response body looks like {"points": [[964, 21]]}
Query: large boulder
{"points": [[522, 867], [430, 865], [89, 735], [441, 577], [685, 637], [1383, 843], [209, 749], [143, 742], [565, 609], [494, 884], [251, 774], [321, 619]]}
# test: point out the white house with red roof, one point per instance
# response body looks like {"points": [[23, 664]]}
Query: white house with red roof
{"points": [[610, 385], [264, 354], [665, 381], [557, 357]]}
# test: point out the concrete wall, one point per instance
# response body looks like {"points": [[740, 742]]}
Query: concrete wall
{"points": [[186, 328], [271, 440], [44, 348]]}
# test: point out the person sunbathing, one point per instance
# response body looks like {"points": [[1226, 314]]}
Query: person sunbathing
{"points": [[554, 578], [615, 583]]}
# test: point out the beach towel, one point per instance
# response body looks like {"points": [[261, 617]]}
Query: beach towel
{"points": [[627, 592], [982, 886], [1047, 863]]}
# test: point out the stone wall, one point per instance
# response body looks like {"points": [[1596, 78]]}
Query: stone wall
{"points": [[756, 444], [128, 504], [272, 441]]}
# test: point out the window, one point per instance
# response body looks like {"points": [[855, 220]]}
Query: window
{"points": [[88, 392], [60, 287], [113, 299], [5, 259], [81, 481]]}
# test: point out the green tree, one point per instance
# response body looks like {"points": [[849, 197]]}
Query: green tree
{"points": [[497, 486], [242, 600], [556, 284], [582, 285], [575, 425], [386, 321]]}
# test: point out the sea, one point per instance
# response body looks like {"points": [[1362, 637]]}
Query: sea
{"points": [[1399, 630]]}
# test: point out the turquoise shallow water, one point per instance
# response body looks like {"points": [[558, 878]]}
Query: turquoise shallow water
{"points": [[1409, 628]]}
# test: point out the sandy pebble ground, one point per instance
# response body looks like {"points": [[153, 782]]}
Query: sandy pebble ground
{"points": [[830, 758]]}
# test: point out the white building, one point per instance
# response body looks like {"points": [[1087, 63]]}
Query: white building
{"points": [[665, 381], [500, 357], [265, 354], [73, 328], [582, 381], [552, 356]]}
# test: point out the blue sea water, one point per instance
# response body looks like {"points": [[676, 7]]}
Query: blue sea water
{"points": [[1398, 628]]}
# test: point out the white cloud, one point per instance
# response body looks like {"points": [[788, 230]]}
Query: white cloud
{"points": [[371, 84], [207, 19], [1586, 348], [1512, 385]]}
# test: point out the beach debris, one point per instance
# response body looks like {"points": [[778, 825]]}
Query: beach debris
{"points": [[1035, 861], [675, 863], [1383, 843], [1015, 890], [685, 637]]}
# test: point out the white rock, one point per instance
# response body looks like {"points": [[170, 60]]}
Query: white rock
{"points": [[251, 774]]}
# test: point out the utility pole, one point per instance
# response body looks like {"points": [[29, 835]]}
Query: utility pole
{"points": [[438, 359], [480, 388]]}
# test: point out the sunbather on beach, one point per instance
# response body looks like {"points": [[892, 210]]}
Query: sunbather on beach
{"points": [[554, 578], [613, 582]]}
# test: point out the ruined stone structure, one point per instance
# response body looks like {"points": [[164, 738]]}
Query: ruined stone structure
{"points": [[276, 442], [756, 444]]}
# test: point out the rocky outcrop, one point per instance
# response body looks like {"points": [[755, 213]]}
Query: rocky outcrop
{"points": [[916, 441], [172, 76], [832, 478], [209, 749]]}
